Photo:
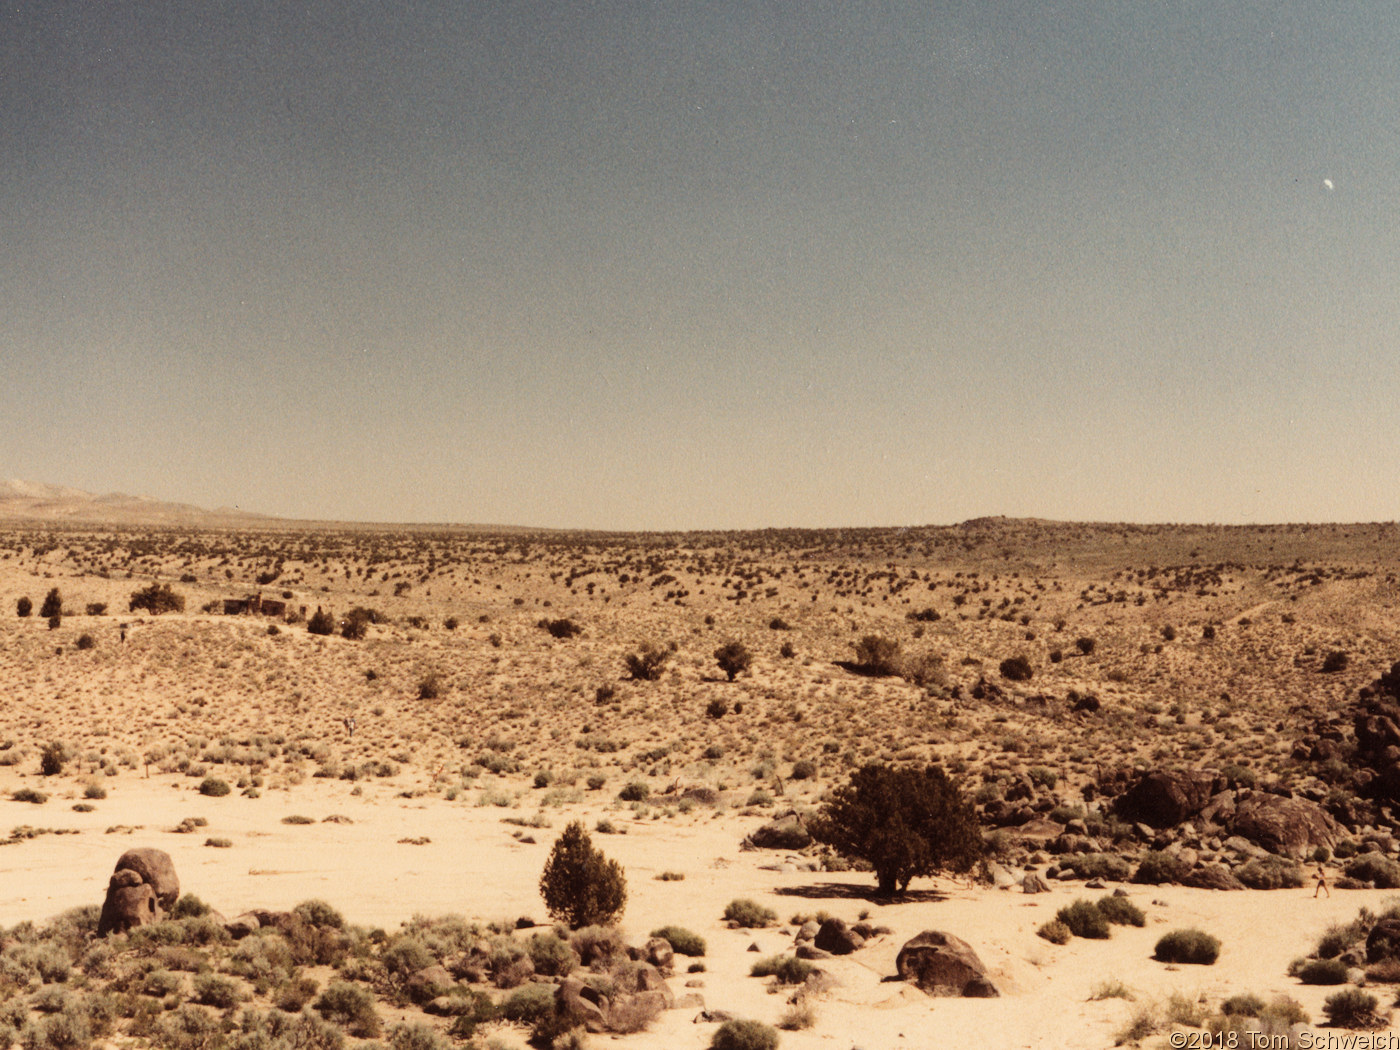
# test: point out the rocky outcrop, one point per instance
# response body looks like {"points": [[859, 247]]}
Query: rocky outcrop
{"points": [[942, 964], [836, 937], [157, 871], [142, 889], [1383, 942], [1287, 826], [1212, 877], [1166, 798], [130, 903]]}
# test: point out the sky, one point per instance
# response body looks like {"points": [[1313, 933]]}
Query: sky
{"points": [[705, 265]]}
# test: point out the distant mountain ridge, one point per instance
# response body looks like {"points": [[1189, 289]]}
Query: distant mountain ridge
{"points": [[38, 501]]}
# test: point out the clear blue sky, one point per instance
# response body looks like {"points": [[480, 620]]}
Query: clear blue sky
{"points": [[675, 265]]}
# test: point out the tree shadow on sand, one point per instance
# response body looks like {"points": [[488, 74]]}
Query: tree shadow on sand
{"points": [[819, 891]]}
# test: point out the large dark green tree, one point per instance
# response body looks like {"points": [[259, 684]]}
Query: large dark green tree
{"points": [[579, 884], [905, 821], [53, 604]]}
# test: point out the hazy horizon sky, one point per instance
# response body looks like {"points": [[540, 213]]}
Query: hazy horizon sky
{"points": [[721, 265]]}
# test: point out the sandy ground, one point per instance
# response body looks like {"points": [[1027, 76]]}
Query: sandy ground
{"points": [[474, 866]]}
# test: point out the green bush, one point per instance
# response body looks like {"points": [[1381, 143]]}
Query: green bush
{"points": [[748, 914], [1244, 1005], [1187, 946], [1270, 873], [581, 886], [1017, 669], [635, 791], [744, 1035], [321, 622], [319, 913], [788, 969], [29, 795], [551, 955], [1084, 919], [1323, 971], [351, 1006], [1055, 932], [1157, 868], [647, 663], [1120, 911], [216, 990], [878, 656], [528, 1003], [1107, 866], [53, 604], [52, 758], [24, 607], [682, 941], [1375, 868], [1352, 1008], [734, 659], [214, 787]]}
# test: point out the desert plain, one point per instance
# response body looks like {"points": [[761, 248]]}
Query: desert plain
{"points": [[423, 767]]}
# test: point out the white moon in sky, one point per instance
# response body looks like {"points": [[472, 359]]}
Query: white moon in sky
{"points": [[1327, 183]]}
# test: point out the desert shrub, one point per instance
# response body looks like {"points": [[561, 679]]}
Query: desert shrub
{"points": [[86, 641], [319, 913], [562, 628], [156, 599], [351, 1006], [321, 622], [1055, 932], [681, 940], [800, 1015], [551, 955], [55, 621], [430, 687], [788, 969], [188, 907], [53, 604], [1169, 633], [1322, 971], [528, 1003], [877, 655], [216, 990], [733, 658], [29, 795], [97, 608], [1187, 946], [646, 664], [598, 945], [52, 758], [635, 791], [903, 821], [24, 607], [1338, 937], [1120, 911], [416, 1035], [581, 886], [161, 983], [1352, 1008], [1243, 1005], [405, 955], [1375, 868], [1157, 867], [1334, 661], [1017, 669], [214, 787], [717, 708], [1084, 919], [1085, 645], [1107, 866], [1270, 873], [748, 914], [356, 625], [803, 769], [744, 1035]]}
